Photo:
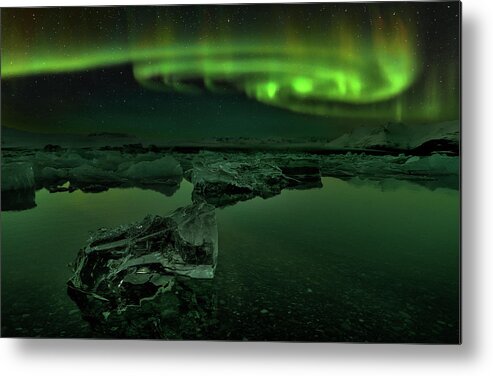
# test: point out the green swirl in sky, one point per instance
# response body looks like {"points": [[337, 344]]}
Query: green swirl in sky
{"points": [[308, 59]]}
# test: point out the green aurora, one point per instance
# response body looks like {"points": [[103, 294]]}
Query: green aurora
{"points": [[365, 61]]}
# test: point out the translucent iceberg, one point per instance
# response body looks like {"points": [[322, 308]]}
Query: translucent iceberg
{"points": [[131, 278]]}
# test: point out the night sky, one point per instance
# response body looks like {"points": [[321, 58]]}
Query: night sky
{"points": [[190, 72]]}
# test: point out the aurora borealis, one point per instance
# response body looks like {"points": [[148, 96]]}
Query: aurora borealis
{"points": [[373, 63]]}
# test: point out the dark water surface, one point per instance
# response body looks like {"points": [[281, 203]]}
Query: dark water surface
{"points": [[352, 261]]}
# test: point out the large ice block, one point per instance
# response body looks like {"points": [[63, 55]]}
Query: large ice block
{"points": [[137, 275]]}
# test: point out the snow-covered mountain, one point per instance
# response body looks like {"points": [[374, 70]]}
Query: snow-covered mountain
{"points": [[400, 136]]}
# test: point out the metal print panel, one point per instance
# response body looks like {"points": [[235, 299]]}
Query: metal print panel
{"points": [[265, 172]]}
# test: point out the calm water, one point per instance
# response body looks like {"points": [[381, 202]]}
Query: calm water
{"points": [[352, 261]]}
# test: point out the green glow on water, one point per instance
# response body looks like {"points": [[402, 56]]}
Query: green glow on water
{"points": [[365, 250]]}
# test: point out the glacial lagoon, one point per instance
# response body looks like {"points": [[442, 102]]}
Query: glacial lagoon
{"points": [[353, 260]]}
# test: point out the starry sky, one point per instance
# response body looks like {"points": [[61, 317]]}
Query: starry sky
{"points": [[191, 72]]}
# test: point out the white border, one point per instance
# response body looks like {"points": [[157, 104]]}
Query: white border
{"points": [[86, 357]]}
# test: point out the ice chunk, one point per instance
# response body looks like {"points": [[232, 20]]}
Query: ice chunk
{"points": [[108, 160], [303, 172], [17, 176], [436, 164], [225, 183], [64, 159], [224, 180], [437, 170], [49, 176], [134, 277], [197, 227], [99, 170], [158, 169], [152, 305], [87, 174], [18, 186], [183, 243], [388, 165]]}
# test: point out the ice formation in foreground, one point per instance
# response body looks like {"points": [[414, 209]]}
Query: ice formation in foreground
{"points": [[150, 278]]}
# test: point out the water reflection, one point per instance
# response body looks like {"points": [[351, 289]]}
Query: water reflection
{"points": [[354, 260]]}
